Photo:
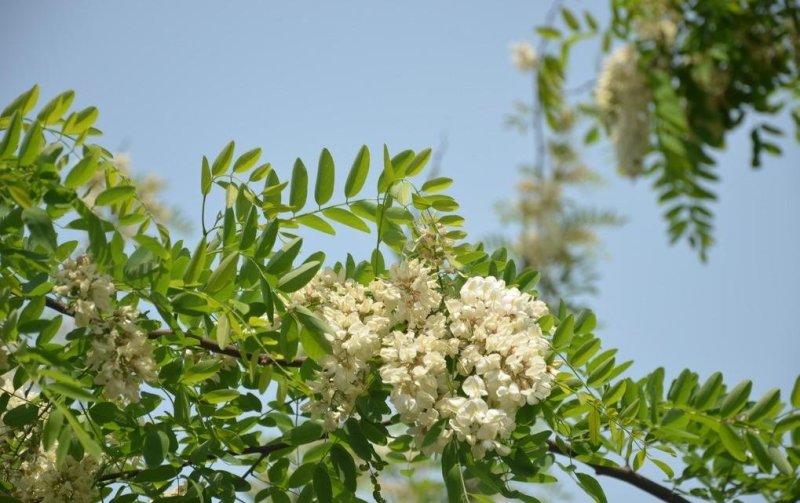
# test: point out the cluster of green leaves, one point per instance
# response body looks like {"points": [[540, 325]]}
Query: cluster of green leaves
{"points": [[222, 300], [558, 232], [724, 62], [222, 297]]}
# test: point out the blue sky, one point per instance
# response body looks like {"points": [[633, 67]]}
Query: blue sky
{"points": [[177, 80]]}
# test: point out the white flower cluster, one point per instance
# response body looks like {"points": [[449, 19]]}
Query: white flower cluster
{"points": [[523, 56], [92, 291], [502, 357], [433, 245], [120, 352], [657, 20], [402, 326], [42, 480], [122, 355], [623, 98], [358, 322]]}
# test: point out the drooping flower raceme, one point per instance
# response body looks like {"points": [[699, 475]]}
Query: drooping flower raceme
{"points": [[502, 359], [122, 355], [90, 292], [401, 327], [43, 480], [358, 323], [623, 98], [120, 352]]}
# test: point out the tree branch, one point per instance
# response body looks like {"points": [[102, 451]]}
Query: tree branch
{"points": [[627, 475], [205, 343]]}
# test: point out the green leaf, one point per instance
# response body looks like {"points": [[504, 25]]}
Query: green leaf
{"points": [[156, 444], [223, 331], [56, 108], [283, 258], [564, 333], [297, 278], [570, 19], [437, 184], [223, 275], [197, 264], [358, 442], [708, 392], [70, 391], [358, 173], [590, 485], [220, 396], [586, 322], [82, 172], [323, 189], [52, 428], [548, 32], [89, 445], [79, 123], [205, 178], [759, 450], [21, 415], [418, 163], [322, 483], [451, 472], [246, 160], [313, 339], [299, 190], [345, 467], [664, 467], [584, 352], [736, 399], [200, 371], [780, 461], [593, 421], [260, 172], [23, 103], [40, 226], [732, 442], [11, 137], [249, 229], [316, 223], [764, 404], [223, 160], [796, 393], [115, 195], [346, 218], [267, 240], [308, 432], [32, 144], [302, 475]]}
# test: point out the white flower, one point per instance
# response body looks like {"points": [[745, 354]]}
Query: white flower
{"points": [[623, 98], [523, 56]]}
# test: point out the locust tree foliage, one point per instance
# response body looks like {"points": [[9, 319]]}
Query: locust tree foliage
{"points": [[138, 366]]}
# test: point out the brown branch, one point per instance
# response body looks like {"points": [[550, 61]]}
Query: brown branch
{"points": [[205, 343], [625, 474]]}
